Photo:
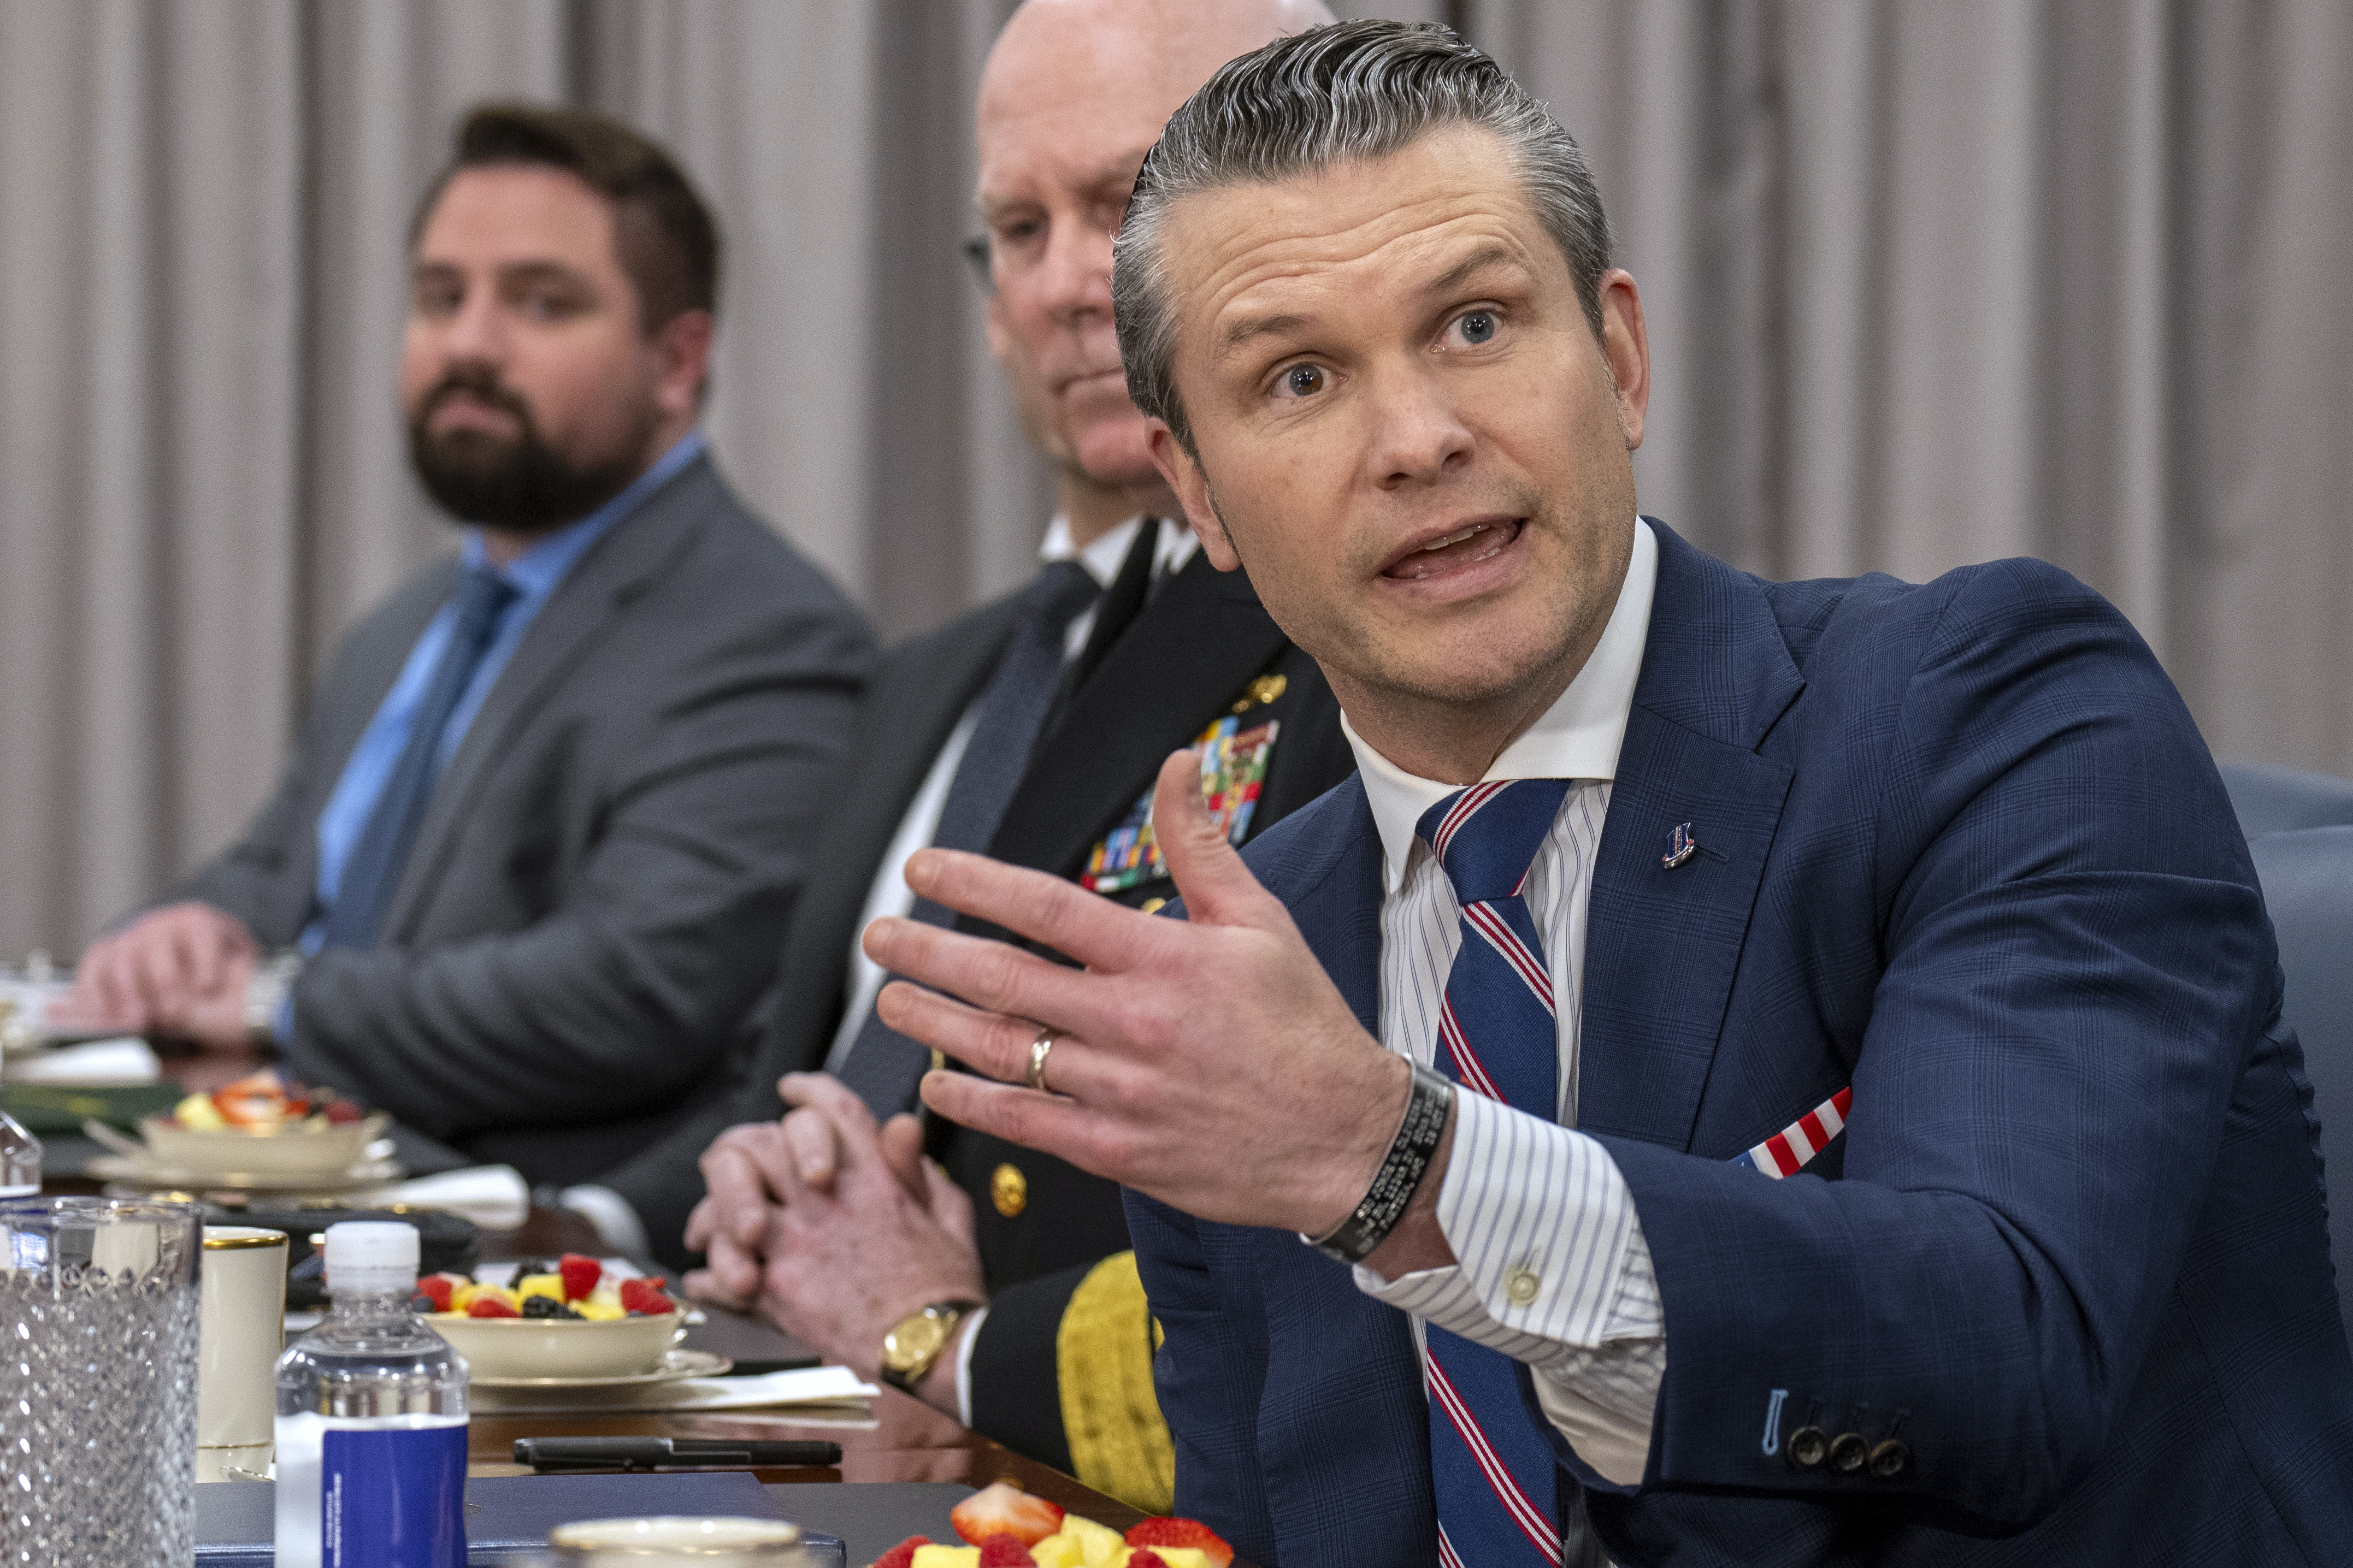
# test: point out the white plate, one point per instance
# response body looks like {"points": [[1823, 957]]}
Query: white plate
{"points": [[135, 1173], [673, 1366]]}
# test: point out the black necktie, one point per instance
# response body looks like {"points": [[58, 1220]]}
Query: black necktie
{"points": [[364, 894], [884, 1066]]}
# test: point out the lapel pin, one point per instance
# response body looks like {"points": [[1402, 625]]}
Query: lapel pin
{"points": [[1681, 846]]}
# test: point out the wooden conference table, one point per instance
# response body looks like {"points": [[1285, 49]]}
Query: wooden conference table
{"points": [[908, 1440]]}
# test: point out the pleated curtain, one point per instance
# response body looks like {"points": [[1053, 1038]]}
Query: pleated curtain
{"points": [[1929, 282]]}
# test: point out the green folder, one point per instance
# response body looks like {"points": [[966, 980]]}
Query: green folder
{"points": [[62, 1108]]}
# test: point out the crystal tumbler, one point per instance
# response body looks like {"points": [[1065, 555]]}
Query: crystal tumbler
{"points": [[99, 1312]]}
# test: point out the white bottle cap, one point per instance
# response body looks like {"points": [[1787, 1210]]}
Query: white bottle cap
{"points": [[371, 1255]]}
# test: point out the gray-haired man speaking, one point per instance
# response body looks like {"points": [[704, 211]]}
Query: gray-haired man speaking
{"points": [[1772, 1073]]}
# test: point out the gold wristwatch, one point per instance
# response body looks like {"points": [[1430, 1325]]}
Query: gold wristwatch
{"points": [[915, 1342]]}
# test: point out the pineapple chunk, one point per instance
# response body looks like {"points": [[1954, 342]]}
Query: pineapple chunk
{"points": [[1099, 1546], [946, 1557], [599, 1308], [197, 1113], [1060, 1549], [548, 1285], [1183, 1556]]}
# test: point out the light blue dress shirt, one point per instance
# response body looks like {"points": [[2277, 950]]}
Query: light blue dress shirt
{"points": [[535, 574]]}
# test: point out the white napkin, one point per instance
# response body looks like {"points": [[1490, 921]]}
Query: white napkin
{"points": [[495, 1197], [804, 1385], [100, 1064]]}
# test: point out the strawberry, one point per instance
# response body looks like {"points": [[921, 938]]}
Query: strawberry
{"points": [[646, 1296], [1005, 1508], [1145, 1557], [438, 1289], [903, 1554], [490, 1307], [580, 1275], [341, 1112], [1007, 1552], [1189, 1532]]}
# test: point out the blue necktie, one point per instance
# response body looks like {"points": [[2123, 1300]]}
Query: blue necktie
{"points": [[1493, 1469], [884, 1066], [364, 893]]}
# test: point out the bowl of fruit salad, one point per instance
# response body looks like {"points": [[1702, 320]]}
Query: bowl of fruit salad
{"points": [[1004, 1527], [262, 1125], [563, 1320]]}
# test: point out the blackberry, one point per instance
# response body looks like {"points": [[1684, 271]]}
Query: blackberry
{"points": [[548, 1306]]}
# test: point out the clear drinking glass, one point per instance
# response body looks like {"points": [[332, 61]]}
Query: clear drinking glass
{"points": [[99, 1309]]}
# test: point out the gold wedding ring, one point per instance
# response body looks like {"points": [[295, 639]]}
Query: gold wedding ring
{"points": [[1038, 1049]]}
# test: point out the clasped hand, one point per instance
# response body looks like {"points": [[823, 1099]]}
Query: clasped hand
{"points": [[1209, 1062], [182, 969], [834, 1228]]}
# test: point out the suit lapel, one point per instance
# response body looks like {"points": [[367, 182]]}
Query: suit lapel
{"points": [[918, 696], [1179, 663], [639, 549], [1325, 863], [1662, 943]]}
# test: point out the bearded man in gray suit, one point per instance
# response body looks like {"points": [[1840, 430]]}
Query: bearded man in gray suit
{"points": [[534, 851]]}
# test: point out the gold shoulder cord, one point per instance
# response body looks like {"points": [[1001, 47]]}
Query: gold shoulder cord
{"points": [[1102, 1352]]}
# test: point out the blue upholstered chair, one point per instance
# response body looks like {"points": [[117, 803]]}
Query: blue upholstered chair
{"points": [[2307, 880], [2282, 800]]}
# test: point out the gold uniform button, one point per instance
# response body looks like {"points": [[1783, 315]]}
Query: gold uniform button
{"points": [[1153, 906], [1008, 1189], [1521, 1285], [1267, 687]]}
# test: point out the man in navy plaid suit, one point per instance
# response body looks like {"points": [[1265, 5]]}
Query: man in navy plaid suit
{"points": [[1783, 1073]]}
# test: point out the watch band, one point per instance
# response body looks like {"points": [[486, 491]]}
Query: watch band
{"points": [[265, 994], [1399, 1177], [911, 1371]]}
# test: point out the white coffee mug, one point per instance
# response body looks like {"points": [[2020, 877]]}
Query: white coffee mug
{"points": [[244, 1329]]}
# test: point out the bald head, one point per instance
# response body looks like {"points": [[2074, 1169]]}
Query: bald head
{"points": [[1150, 53], [1074, 93]]}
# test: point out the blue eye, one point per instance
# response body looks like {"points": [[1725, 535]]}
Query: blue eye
{"points": [[1303, 379], [1478, 326]]}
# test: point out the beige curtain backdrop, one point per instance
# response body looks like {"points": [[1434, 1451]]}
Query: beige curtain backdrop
{"points": [[1929, 282]]}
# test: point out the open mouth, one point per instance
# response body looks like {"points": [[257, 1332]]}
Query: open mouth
{"points": [[1466, 546]]}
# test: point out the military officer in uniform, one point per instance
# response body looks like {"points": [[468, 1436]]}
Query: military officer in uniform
{"points": [[993, 1281]]}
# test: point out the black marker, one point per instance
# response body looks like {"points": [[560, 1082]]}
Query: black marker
{"points": [[666, 1453]]}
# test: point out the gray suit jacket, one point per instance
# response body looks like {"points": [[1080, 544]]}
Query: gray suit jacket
{"points": [[601, 884]]}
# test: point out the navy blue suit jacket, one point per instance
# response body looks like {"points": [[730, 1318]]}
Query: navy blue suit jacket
{"points": [[1962, 848]]}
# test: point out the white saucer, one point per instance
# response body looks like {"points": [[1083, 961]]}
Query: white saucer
{"points": [[135, 1173], [675, 1365]]}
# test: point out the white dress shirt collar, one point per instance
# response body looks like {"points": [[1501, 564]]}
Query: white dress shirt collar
{"points": [[1577, 738], [1102, 558]]}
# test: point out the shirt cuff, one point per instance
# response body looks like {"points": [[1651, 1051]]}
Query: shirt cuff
{"points": [[972, 1322], [1553, 1271], [618, 1225]]}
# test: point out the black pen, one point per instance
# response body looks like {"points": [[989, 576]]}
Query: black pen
{"points": [[666, 1453]]}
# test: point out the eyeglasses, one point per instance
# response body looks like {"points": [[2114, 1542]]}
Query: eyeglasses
{"points": [[975, 255]]}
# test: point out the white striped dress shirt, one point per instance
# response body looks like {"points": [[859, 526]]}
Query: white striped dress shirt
{"points": [[1552, 1269]]}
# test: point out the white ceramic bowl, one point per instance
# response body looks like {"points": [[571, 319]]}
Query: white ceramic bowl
{"points": [[560, 1347], [302, 1149]]}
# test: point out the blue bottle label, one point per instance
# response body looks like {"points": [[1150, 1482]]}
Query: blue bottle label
{"points": [[393, 1498]]}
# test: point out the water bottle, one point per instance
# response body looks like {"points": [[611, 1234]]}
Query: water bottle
{"points": [[371, 1419]]}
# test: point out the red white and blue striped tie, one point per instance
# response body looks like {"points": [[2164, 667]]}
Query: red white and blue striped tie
{"points": [[1496, 1481]]}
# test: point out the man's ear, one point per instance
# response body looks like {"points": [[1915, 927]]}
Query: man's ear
{"points": [[685, 341], [992, 324], [1192, 491], [1626, 349]]}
